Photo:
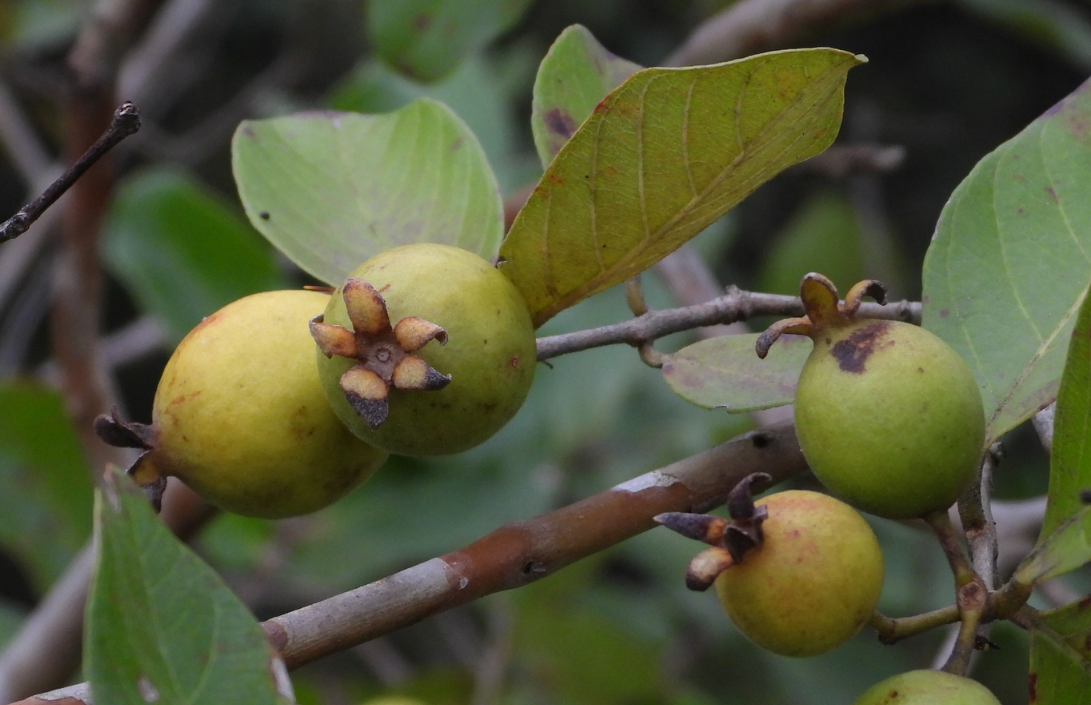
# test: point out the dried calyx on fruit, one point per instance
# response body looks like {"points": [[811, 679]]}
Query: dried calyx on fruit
{"points": [[383, 354], [240, 415], [452, 370], [888, 415], [799, 573]]}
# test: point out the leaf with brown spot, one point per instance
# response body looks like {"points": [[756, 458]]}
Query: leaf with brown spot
{"points": [[661, 157], [576, 73]]}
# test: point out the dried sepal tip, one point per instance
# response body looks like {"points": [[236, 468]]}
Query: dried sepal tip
{"points": [[367, 393], [413, 373], [706, 566], [365, 306], [332, 340], [414, 333], [699, 527]]}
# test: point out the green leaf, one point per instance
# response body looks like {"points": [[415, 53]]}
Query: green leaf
{"points": [[1005, 274], [474, 92], [726, 373], [331, 190], [427, 39], [45, 482], [1070, 462], [160, 621], [182, 251], [573, 77], [664, 155], [1062, 551], [1060, 656]]}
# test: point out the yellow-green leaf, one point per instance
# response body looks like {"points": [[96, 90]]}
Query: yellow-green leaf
{"points": [[661, 157]]}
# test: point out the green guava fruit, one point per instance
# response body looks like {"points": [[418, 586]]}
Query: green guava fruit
{"points": [[812, 582], [426, 350], [925, 687], [888, 415], [240, 415]]}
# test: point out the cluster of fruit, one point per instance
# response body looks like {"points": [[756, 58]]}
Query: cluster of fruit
{"points": [[890, 419], [280, 403]]}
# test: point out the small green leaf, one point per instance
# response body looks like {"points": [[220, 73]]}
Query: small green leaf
{"points": [[1062, 551], [1060, 656], [427, 39], [661, 157], [161, 625], [331, 190], [1005, 274], [182, 251], [576, 73], [726, 373], [46, 492], [1070, 462]]}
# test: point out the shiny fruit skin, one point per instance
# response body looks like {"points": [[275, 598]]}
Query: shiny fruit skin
{"points": [[889, 418], [241, 418], [490, 353], [814, 581], [926, 687]]}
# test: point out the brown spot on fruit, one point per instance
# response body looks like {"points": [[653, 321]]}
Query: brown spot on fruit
{"points": [[852, 352]]}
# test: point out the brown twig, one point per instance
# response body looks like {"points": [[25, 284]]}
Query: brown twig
{"points": [[126, 122], [519, 553], [735, 305], [974, 509], [92, 126], [526, 551], [971, 594]]}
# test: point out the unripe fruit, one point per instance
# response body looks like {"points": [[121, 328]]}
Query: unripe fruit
{"points": [[240, 415], [927, 688], [814, 580], [436, 313], [888, 415]]}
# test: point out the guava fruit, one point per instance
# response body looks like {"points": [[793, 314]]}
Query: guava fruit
{"points": [[426, 349], [888, 415], [926, 687], [811, 582], [240, 415]]}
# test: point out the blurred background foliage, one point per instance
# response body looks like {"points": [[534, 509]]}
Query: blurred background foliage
{"points": [[947, 82]]}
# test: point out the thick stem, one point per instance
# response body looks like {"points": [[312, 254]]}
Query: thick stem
{"points": [[526, 551]]}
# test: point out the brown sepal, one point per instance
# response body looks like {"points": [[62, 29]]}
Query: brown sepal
{"points": [[366, 308], [117, 432], [706, 566], [332, 340], [367, 394], [414, 373], [414, 333], [707, 528], [797, 326], [855, 296]]}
